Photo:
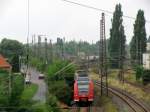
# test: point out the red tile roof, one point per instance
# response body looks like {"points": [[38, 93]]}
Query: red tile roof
{"points": [[4, 63]]}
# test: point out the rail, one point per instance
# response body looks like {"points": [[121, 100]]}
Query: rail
{"points": [[134, 104]]}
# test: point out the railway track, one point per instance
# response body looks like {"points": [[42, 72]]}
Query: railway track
{"points": [[135, 105], [75, 108]]}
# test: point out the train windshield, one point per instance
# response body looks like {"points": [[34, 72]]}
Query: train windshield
{"points": [[83, 86]]}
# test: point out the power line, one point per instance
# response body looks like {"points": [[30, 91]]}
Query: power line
{"points": [[98, 9]]}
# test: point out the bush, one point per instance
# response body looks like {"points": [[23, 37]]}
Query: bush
{"points": [[146, 77], [139, 72], [52, 104], [62, 91], [4, 88], [17, 89], [61, 84], [56, 66]]}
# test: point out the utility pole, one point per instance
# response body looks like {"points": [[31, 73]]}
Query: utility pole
{"points": [[32, 46], [62, 49], [39, 46], [51, 51], [88, 62], [46, 57], [103, 58], [35, 50]]}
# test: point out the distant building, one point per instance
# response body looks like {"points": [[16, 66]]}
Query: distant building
{"points": [[146, 60], [4, 64], [92, 57], [148, 46], [82, 55], [146, 56]]}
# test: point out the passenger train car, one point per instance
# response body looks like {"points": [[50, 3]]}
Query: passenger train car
{"points": [[83, 88]]}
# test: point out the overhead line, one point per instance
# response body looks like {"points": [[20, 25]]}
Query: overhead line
{"points": [[98, 9], [87, 6]]}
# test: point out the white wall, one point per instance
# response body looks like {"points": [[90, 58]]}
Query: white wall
{"points": [[146, 60], [148, 46]]}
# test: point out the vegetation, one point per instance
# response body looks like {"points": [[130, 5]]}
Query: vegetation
{"points": [[139, 72], [29, 92], [4, 88], [105, 103], [61, 84], [138, 42], [9, 48], [10, 95], [38, 64], [17, 89], [15, 63], [109, 106], [117, 37], [40, 107], [12, 49], [146, 77], [137, 92], [72, 47], [143, 74]]}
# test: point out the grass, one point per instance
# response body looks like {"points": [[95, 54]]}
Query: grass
{"points": [[41, 107], [136, 91], [104, 102], [109, 106], [29, 91]]}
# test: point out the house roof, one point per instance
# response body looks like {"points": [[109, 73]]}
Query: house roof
{"points": [[4, 63]]}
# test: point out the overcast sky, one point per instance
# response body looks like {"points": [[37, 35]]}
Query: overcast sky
{"points": [[56, 18]]}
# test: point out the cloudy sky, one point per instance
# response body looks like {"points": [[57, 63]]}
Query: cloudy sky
{"points": [[56, 18]]}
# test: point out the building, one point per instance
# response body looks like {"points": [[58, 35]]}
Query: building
{"points": [[146, 56], [4, 64], [148, 46], [146, 60]]}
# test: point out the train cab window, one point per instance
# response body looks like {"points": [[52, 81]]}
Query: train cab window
{"points": [[83, 86]]}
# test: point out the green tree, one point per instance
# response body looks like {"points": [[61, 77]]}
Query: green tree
{"points": [[138, 42], [9, 48], [71, 47], [15, 63], [117, 38]]}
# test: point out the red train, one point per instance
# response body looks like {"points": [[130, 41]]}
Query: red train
{"points": [[83, 88]]}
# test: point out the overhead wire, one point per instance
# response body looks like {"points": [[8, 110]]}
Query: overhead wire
{"points": [[99, 9]]}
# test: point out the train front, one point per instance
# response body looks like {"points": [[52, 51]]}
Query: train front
{"points": [[83, 90]]}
